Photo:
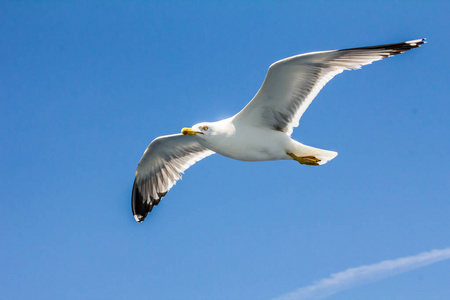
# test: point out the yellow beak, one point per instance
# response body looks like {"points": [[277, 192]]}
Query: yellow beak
{"points": [[189, 131]]}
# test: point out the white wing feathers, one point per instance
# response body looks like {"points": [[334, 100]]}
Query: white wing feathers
{"points": [[292, 83], [162, 164]]}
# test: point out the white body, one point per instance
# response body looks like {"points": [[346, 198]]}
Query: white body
{"points": [[245, 142]]}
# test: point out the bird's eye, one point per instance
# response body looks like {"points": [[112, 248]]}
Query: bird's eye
{"points": [[205, 128]]}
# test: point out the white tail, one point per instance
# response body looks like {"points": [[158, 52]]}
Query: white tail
{"points": [[324, 155]]}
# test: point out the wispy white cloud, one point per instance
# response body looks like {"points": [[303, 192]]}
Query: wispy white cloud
{"points": [[364, 274]]}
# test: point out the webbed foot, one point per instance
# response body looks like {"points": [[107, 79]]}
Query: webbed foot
{"points": [[305, 160]]}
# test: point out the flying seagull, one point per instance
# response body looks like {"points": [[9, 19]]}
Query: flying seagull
{"points": [[261, 131]]}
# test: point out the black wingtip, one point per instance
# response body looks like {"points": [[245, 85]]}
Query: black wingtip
{"points": [[394, 49], [416, 43], [139, 206], [142, 206]]}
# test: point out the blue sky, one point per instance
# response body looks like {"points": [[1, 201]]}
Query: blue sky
{"points": [[86, 86]]}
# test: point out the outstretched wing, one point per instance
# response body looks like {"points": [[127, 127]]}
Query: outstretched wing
{"points": [[292, 83], [162, 164]]}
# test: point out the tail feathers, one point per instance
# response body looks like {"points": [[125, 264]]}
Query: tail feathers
{"points": [[324, 155]]}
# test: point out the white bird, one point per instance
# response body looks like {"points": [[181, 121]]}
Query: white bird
{"points": [[261, 131]]}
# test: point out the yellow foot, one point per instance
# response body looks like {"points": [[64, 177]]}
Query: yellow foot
{"points": [[305, 160]]}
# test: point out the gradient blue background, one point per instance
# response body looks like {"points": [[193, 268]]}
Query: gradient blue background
{"points": [[85, 86]]}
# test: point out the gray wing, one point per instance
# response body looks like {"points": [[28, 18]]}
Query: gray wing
{"points": [[292, 83], [162, 164]]}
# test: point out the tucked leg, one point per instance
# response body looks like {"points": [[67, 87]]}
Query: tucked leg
{"points": [[305, 160]]}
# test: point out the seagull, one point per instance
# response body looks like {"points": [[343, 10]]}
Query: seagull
{"points": [[261, 131]]}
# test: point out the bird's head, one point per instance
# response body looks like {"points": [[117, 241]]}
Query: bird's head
{"points": [[200, 129]]}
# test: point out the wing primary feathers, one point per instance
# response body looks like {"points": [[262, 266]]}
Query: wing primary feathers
{"points": [[393, 49], [139, 207]]}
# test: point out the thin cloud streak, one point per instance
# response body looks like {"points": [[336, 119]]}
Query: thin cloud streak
{"points": [[364, 274]]}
